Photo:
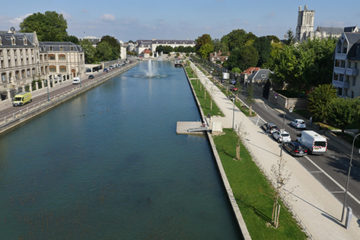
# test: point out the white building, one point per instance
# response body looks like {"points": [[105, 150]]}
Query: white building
{"points": [[346, 77], [26, 63], [153, 44], [305, 27]]}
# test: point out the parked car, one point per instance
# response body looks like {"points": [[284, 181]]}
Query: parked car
{"points": [[233, 82], [234, 89], [76, 80], [269, 127], [298, 123], [91, 76], [106, 70], [281, 136], [295, 148]]}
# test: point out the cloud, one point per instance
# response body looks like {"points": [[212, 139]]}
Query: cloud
{"points": [[17, 20], [108, 17]]}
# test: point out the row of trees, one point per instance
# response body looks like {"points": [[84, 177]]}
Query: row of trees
{"points": [[326, 107], [245, 49], [298, 67], [51, 26], [169, 49]]}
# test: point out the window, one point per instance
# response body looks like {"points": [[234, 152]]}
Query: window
{"points": [[354, 81], [342, 64], [52, 68], [62, 57], [336, 77], [341, 78], [52, 56], [352, 94], [25, 41], [51, 48], [355, 65], [13, 41]]}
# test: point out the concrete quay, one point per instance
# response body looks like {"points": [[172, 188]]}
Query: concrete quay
{"points": [[15, 116], [314, 207], [230, 194]]}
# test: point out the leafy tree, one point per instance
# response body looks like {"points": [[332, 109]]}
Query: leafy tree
{"points": [[263, 46], [236, 70], [242, 57], [104, 51], [205, 50], [114, 46], [204, 45], [49, 26], [319, 101], [71, 38], [343, 112], [290, 37], [234, 39], [89, 51]]}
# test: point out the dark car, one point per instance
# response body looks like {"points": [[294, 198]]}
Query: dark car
{"points": [[91, 76], [270, 128], [295, 149]]}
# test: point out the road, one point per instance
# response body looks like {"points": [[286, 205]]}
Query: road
{"points": [[330, 168]]}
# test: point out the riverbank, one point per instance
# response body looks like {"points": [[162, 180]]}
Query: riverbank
{"points": [[313, 206], [230, 194], [20, 117]]}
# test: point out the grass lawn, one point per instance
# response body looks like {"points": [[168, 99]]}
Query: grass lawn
{"points": [[254, 193], [190, 72], [205, 100]]}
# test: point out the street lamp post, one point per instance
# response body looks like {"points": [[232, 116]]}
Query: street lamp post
{"points": [[48, 90], [348, 177]]}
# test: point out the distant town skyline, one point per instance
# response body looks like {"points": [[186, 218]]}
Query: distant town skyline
{"points": [[159, 19]]}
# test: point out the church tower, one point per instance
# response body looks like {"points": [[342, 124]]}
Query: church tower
{"points": [[305, 24]]}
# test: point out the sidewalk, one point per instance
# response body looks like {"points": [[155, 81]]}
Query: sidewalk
{"points": [[313, 205]]}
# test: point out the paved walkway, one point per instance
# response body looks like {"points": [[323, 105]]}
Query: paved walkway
{"points": [[314, 206]]}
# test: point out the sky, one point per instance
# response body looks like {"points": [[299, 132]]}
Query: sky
{"points": [[183, 20]]}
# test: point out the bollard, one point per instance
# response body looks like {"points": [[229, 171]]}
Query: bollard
{"points": [[348, 217]]}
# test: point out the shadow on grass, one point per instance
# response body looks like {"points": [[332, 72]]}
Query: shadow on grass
{"points": [[258, 212]]}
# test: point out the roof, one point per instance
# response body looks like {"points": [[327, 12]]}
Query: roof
{"points": [[147, 42], [330, 30], [19, 39], [250, 70], [260, 75], [59, 47], [352, 37], [350, 29], [354, 52]]}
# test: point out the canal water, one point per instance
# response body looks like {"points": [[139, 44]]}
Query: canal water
{"points": [[109, 165]]}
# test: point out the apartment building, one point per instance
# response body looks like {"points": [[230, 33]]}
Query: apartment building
{"points": [[19, 61], [26, 63], [346, 77]]}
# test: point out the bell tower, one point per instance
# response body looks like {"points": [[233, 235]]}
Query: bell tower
{"points": [[305, 24]]}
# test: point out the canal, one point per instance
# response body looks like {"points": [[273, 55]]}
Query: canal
{"points": [[109, 165]]}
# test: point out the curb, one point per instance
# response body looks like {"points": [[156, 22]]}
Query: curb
{"points": [[235, 207]]}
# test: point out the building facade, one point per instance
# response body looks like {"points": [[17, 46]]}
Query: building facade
{"points": [[346, 77], [153, 44], [65, 60], [19, 61], [26, 63]]}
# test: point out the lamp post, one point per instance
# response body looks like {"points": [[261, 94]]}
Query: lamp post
{"points": [[348, 177], [48, 89], [233, 119]]}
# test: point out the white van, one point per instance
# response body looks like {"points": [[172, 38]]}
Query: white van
{"points": [[76, 80], [316, 143]]}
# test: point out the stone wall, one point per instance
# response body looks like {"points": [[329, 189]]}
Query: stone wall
{"points": [[287, 103]]}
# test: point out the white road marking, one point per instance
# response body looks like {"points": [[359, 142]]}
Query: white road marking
{"points": [[338, 184]]}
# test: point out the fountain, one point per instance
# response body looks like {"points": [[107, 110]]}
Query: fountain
{"points": [[150, 72]]}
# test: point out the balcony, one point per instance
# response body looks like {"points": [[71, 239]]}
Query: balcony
{"points": [[340, 84], [351, 71], [340, 56], [339, 70]]}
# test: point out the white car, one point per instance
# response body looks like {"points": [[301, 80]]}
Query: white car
{"points": [[281, 136], [298, 123]]}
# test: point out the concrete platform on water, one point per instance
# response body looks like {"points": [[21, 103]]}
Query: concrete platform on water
{"points": [[189, 127]]}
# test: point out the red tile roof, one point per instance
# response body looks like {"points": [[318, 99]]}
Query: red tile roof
{"points": [[250, 70]]}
